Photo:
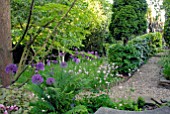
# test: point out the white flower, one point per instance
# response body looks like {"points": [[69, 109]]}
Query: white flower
{"points": [[120, 104], [129, 74], [43, 110], [100, 81], [98, 71]]}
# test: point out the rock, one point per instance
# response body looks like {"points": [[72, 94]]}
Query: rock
{"points": [[164, 82], [103, 110], [165, 100]]}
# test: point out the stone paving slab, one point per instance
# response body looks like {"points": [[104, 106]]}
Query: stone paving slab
{"points": [[103, 110]]}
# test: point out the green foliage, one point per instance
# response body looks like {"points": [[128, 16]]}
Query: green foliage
{"points": [[99, 35], [167, 22], [69, 82], [93, 103], [128, 18], [140, 102], [13, 96], [124, 25], [165, 63], [128, 58], [80, 109], [166, 71], [85, 18], [125, 57]]}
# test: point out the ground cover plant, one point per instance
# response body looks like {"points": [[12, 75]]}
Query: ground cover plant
{"points": [[165, 63], [93, 103]]}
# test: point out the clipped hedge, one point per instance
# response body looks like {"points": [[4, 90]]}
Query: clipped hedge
{"points": [[128, 58]]}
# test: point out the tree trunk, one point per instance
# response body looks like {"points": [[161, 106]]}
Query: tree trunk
{"points": [[5, 41]]}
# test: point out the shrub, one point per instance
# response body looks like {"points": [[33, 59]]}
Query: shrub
{"points": [[127, 58]]}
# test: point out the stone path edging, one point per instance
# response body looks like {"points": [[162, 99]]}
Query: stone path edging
{"points": [[103, 110]]}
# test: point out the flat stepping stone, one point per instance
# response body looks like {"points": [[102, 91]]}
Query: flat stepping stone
{"points": [[163, 110]]}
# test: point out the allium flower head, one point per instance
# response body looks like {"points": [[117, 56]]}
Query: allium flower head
{"points": [[92, 52], [48, 62], [11, 68], [50, 81], [61, 54], [40, 66], [63, 64], [55, 61], [76, 60], [37, 79]]}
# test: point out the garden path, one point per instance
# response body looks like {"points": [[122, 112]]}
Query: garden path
{"points": [[143, 83]]}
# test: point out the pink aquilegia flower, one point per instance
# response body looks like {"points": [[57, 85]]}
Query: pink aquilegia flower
{"points": [[2, 106], [5, 112]]}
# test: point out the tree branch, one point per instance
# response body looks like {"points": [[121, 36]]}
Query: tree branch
{"points": [[49, 36], [27, 26], [55, 29]]}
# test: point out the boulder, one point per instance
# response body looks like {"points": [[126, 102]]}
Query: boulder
{"points": [[163, 110]]}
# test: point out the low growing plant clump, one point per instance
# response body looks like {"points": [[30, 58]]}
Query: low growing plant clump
{"points": [[93, 103]]}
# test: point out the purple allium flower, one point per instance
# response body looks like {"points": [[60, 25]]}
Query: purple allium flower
{"points": [[37, 79], [71, 56], [76, 49], [63, 64], [76, 60], [48, 62], [92, 52], [61, 54], [55, 61], [96, 53], [50, 81], [82, 53], [40, 66], [76, 53], [11, 68]]}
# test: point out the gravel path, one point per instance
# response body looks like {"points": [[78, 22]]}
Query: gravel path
{"points": [[143, 83]]}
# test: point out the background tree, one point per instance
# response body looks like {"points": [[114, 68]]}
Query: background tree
{"points": [[167, 22], [134, 20], [5, 41]]}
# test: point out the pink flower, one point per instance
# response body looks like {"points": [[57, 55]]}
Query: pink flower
{"points": [[6, 112], [2, 106]]}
